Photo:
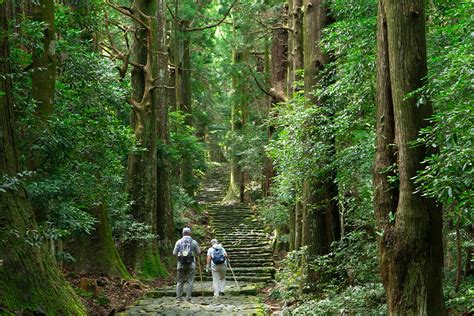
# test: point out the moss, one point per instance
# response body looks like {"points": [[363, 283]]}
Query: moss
{"points": [[95, 253], [152, 266], [52, 296]]}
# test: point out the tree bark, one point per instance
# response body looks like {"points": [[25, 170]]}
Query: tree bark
{"points": [[95, 253], [411, 250], [165, 221], [321, 225], [278, 82], [43, 73], [182, 61], [297, 41], [233, 191], [142, 164], [30, 282]]}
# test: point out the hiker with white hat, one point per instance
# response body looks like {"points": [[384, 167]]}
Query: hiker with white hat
{"points": [[217, 262], [186, 249]]}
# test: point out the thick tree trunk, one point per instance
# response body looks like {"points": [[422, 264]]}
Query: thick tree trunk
{"points": [[95, 253], [142, 164], [182, 61], [297, 41], [43, 73], [278, 82], [411, 249], [30, 281], [164, 216], [321, 224]]}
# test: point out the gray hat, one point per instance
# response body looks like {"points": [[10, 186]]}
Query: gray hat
{"points": [[214, 241], [186, 230]]}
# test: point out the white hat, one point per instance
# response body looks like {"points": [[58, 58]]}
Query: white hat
{"points": [[186, 230], [214, 241]]}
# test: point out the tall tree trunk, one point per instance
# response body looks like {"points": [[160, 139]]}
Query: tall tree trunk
{"points": [[411, 249], [30, 281], [296, 65], [297, 41], [268, 171], [142, 164], [187, 172], [233, 191], [321, 224], [182, 61], [165, 222], [43, 73], [43, 76], [278, 83]]}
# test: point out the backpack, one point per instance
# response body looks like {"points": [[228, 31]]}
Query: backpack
{"points": [[218, 256], [185, 254]]}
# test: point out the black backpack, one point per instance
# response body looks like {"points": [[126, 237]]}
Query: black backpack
{"points": [[218, 256], [185, 254]]}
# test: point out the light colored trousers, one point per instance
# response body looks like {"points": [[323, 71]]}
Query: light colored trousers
{"points": [[185, 273], [218, 279]]}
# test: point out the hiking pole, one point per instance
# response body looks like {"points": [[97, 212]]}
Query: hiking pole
{"points": [[235, 279], [200, 274]]}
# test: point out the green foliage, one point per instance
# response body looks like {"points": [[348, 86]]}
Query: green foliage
{"points": [[460, 301], [78, 152], [291, 276], [185, 146], [187, 213], [368, 299], [449, 172], [272, 213]]}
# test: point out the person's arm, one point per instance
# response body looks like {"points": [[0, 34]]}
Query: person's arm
{"points": [[225, 253], [196, 247], [208, 260], [175, 250]]}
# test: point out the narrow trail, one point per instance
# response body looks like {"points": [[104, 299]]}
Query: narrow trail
{"points": [[251, 259]]}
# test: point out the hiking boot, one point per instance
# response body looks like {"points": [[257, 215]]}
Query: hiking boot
{"points": [[221, 294], [189, 300]]}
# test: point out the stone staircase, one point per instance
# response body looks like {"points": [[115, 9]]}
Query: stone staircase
{"points": [[251, 259], [236, 227]]}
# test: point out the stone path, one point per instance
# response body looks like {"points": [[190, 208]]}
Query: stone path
{"points": [[251, 260]]}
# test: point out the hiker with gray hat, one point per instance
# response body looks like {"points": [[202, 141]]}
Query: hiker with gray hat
{"points": [[217, 262], [186, 249]]}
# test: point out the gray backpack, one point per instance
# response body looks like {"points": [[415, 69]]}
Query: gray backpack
{"points": [[185, 254]]}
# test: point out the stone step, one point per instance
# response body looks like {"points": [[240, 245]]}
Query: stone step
{"points": [[243, 270], [205, 289], [236, 223], [234, 236], [239, 243], [243, 264], [242, 278], [249, 256], [233, 217]]}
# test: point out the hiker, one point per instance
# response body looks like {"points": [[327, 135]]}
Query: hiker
{"points": [[186, 249], [217, 262]]}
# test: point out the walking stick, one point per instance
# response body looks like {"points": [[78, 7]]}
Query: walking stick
{"points": [[200, 274], [235, 279]]}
